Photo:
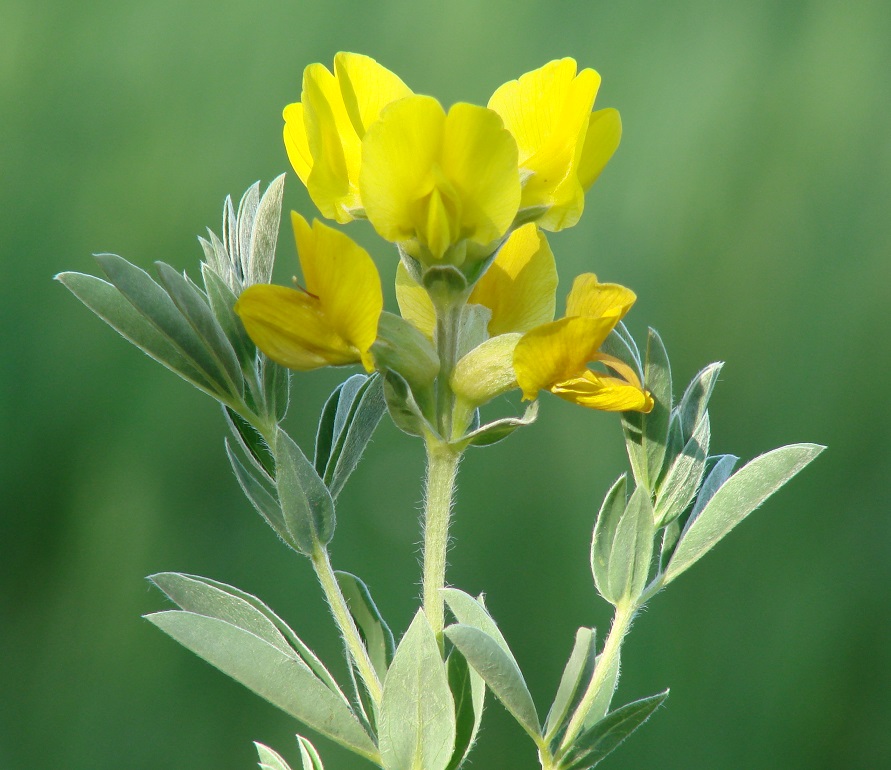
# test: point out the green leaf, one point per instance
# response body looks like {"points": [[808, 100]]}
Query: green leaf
{"points": [[646, 435], [499, 671], [269, 759], [472, 612], [222, 303], [722, 469], [576, 675], [156, 305], [469, 693], [621, 344], [684, 476], [696, 397], [264, 234], [284, 680], [744, 491], [276, 380], [593, 745], [188, 298], [250, 442], [308, 755], [305, 501], [325, 430], [403, 407], [632, 549], [498, 430], [611, 511], [417, 714], [354, 425], [375, 632], [114, 308], [601, 702]]}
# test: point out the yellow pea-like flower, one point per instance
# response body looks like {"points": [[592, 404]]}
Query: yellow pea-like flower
{"points": [[445, 187], [324, 130], [555, 356], [563, 146], [333, 320]]}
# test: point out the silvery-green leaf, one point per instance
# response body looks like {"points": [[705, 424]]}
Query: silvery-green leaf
{"points": [[114, 308], [264, 235], [472, 612], [611, 511], [247, 211], [269, 759], [498, 430], [576, 675], [600, 704], [741, 494], [696, 397], [469, 692], [353, 428], [325, 429], [403, 407], [683, 478], [308, 755], [597, 742], [675, 445], [222, 303], [621, 344], [275, 387], [251, 442], [670, 536], [375, 632], [308, 656], [230, 230], [306, 503], [193, 305], [417, 713], [721, 469], [647, 434], [156, 305], [499, 671], [632, 549], [283, 680]]}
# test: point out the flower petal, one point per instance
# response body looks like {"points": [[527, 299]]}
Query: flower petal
{"points": [[296, 143], [557, 351], [479, 159], [290, 327], [594, 300], [344, 278], [520, 285], [398, 156], [598, 391], [367, 87], [601, 141], [414, 302]]}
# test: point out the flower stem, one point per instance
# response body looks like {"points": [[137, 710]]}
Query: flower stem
{"points": [[442, 467], [322, 566], [621, 624]]}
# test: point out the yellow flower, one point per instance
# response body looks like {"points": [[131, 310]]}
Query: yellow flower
{"points": [[519, 287], [333, 320], [444, 187], [554, 356], [563, 146], [323, 132]]}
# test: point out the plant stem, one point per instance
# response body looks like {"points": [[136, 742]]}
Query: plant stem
{"points": [[322, 565], [442, 467], [622, 618]]}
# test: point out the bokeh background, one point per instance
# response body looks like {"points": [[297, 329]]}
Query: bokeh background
{"points": [[749, 208]]}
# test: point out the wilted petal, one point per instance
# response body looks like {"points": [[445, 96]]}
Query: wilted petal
{"points": [[520, 285], [601, 141]]}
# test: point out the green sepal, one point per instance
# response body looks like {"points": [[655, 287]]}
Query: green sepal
{"points": [[593, 745], [113, 307], [469, 693], [741, 494], [417, 711], [684, 476], [306, 503], [647, 434]]}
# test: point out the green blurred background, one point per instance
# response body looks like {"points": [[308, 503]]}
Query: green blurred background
{"points": [[748, 206]]}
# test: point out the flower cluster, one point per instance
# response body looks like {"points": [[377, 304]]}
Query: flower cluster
{"points": [[465, 195]]}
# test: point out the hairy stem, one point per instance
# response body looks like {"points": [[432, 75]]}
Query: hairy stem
{"points": [[322, 565]]}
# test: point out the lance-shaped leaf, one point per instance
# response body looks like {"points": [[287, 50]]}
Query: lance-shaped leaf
{"points": [[683, 477], [417, 713], [275, 380], [472, 612], [696, 397], [608, 518], [115, 309], [600, 704], [188, 298], [403, 406], [308, 755], [621, 344], [269, 759], [222, 303], [264, 234], [646, 435], [499, 671], [375, 632], [469, 693], [251, 442], [745, 490], [576, 675], [306, 503], [597, 742], [155, 304], [721, 469], [284, 680], [631, 549], [498, 430]]}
